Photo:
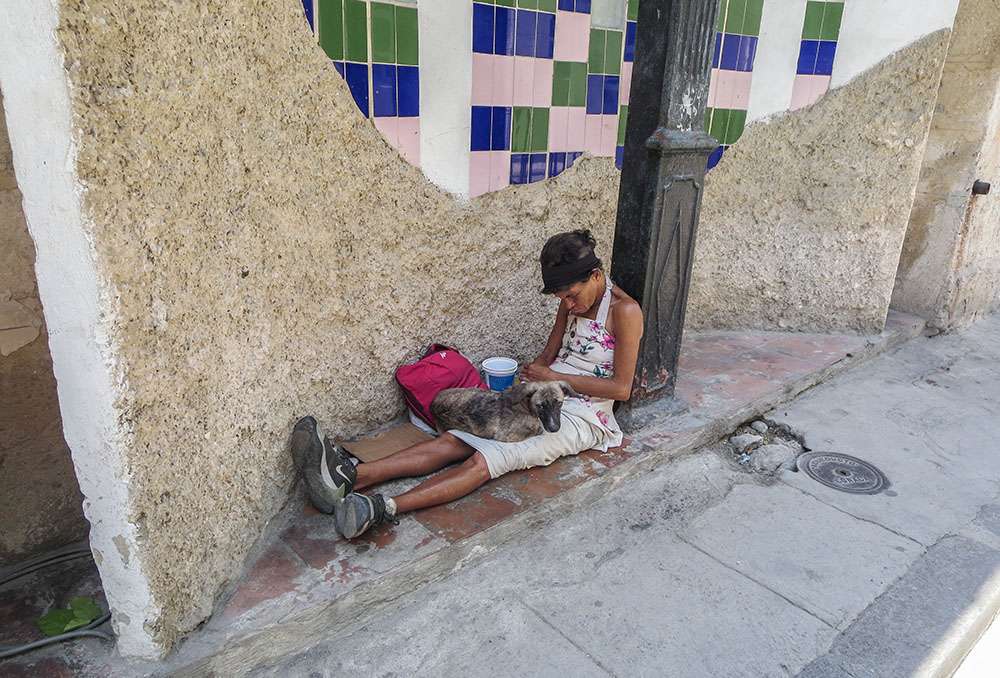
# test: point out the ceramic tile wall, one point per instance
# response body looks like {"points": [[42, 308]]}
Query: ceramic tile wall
{"points": [[732, 71], [820, 31], [374, 46], [547, 85]]}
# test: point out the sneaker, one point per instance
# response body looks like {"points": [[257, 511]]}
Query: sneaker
{"points": [[326, 468], [357, 513]]}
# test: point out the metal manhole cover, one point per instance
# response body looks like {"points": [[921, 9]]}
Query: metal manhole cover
{"points": [[843, 472]]}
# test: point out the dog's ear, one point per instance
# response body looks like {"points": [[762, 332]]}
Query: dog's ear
{"points": [[568, 390]]}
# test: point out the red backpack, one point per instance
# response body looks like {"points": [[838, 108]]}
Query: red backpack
{"points": [[441, 367]]}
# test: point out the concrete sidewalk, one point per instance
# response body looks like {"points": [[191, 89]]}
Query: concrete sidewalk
{"points": [[699, 568]]}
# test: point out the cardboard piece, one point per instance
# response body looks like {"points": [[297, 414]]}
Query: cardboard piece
{"points": [[384, 444]]}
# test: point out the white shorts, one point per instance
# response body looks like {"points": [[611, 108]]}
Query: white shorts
{"points": [[575, 435]]}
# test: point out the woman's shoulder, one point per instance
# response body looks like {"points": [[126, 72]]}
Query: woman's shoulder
{"points": [[622, 304]]}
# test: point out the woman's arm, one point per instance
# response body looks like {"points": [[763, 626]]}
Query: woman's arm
{"points": [[628, 332]]}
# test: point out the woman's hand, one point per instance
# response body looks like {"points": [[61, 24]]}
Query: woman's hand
{"points": [[536, 372]]}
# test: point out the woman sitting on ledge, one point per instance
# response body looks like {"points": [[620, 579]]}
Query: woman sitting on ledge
{"points": [[593, 346]]}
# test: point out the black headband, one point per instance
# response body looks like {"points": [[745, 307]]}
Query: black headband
{"points": [[563, 275]]}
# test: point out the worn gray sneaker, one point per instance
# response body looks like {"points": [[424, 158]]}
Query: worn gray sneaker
{"points": [[357, 513], [326, 469]]}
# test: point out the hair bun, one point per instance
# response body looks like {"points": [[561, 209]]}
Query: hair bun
{"points": [[584, 234]]}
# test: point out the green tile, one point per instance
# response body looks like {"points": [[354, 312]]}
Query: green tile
{"points": [[597, 41], [383, 33], [331, 28], [721, 25], [520, 139], [812, 27], [633, 10], [507, 3], [613, 52], [484, 2], [751, 19], [577, 84], [547, 5], [407, 40], [734, 16], [560, 83], [708, 119], [622, 119], [356, 30], [832, 15], [528, 4], [539, 130], [720, 120], [737, 119]]}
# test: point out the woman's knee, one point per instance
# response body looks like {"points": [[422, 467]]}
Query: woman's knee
{"points": [[476, 466]]}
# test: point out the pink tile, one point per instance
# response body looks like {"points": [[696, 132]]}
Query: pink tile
{"points": [[503, 80], [724, 90], [542, 83], [482, 79], [563, 49], [389, 127], [409, 139], [576, 126], [581, 36], [558, 128], [801, 91], [713, 86], [609, 135], [499, 169], [524, 76], [820, 84], [627, 82], [741, 89], [479, 173], [592, 134]]}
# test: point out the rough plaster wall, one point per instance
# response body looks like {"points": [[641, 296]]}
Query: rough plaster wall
{"points": [[271, 256], [40, 502], [948, 266], [803, 220]]}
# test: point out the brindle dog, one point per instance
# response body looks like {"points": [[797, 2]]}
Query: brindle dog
{"points": [[509, 416]]}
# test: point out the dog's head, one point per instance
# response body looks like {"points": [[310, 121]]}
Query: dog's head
{"points": [[544, 399]]}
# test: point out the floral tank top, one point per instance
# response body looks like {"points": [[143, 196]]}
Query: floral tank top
{"points": [[589, 349]]}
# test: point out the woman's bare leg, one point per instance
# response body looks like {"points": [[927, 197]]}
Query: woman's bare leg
{"points": [[444, 487], [418, 460]]}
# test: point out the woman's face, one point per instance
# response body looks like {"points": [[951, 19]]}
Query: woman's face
{"points": [[581, 296]]}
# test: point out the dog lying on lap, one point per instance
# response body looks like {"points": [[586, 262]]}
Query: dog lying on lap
{"points": [[508, 416]]}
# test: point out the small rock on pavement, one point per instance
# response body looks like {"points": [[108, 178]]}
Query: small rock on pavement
{"points": [[759, 427], [773, 457], [742, 442]]}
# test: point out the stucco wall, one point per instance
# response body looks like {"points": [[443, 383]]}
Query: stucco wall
{"points": [[40, 502], [270, 256], [803, 220]]}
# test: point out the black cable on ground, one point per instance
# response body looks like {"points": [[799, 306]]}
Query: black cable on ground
{"points": [[86, 631]]}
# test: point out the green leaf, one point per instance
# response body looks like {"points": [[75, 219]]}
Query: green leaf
{"points": [[82, 611]]}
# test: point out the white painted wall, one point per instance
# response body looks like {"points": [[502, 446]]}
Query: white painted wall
{"points": [[777, 57], [446, 92], [39, 120]]}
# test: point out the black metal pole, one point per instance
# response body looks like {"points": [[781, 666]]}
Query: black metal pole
{"points": [[663, 170]]}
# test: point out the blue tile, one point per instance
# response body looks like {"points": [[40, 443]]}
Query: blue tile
{"points": [[503, 31], [748, 48], [715, 156], [595, 94], [619, 156], [545, 36], [339, 65], [566, 5], [611, 83], [527, 24], [383, 90], [307, 5], [730, 51], [557, 163], [718, 50], [583, 6], [571, 157], [630, 41], [408, 83], [824, 57], [357, 81], [519, 168], [482, 28], [807, 57], [482, 124], [537, 167], [500, 135]]}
